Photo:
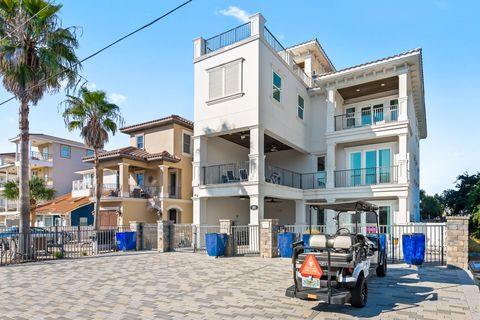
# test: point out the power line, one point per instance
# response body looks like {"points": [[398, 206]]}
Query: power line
{"points": [[108, 46]]}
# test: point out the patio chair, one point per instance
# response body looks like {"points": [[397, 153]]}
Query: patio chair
{"points": [[231, 177], [243, 174]]}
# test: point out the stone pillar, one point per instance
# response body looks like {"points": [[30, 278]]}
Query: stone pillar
{"points": [[164, 236], [330, 110], [330, 165], [163, 181], [137, 227], [269, 238], [300, 212], [257, 24], [198, 47], [124, 179], [256, 155], [403, 96], [226, 227], [457, 242]]}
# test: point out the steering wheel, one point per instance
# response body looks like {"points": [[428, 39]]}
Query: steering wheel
{"points": [[339, 231]]}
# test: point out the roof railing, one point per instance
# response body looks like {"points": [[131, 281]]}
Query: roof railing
{"points": [[228, 37]]}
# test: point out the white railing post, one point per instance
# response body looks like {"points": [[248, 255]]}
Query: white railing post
{"points": [[257, 24]]}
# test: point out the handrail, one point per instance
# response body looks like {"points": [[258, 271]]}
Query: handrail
{"points": [[228, 37]]}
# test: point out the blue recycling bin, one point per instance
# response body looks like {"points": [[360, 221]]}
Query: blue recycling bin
{"points": [[126, 240], [285, 241], [216, 243], [306, 241], [413, 248], [383, 240]]}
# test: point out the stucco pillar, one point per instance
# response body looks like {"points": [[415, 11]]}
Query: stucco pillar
{"points": [[257, 24], [330, 165], [124, 179], [199, 159], [402, 158], [198, 47], [256, 156], [163, 181], [403, 215], [199, 211], [300, 212], [256, 209], [226, 227], [308, 65], [403, 96], [330, 222], [330, 110], [457, 242]]}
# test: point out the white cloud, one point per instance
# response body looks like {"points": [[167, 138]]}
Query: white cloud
{"points": [[91, 86], [236, 12], [117, 98]]}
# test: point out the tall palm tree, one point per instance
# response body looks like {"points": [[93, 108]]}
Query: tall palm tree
{"points": [[38, 192], [37, 56], [95, 117]]}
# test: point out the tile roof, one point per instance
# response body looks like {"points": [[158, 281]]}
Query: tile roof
{"points": [[157, 123], [63, 205], [134, 153], [399, 55]]}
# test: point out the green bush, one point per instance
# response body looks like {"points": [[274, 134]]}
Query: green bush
{"points": [[57, 255]]}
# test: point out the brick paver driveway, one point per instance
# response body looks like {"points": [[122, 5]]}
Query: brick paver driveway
{"points": [[194, 286]]}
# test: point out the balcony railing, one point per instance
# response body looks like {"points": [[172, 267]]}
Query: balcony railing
{"points": [[12, 206], [367, 117], [366, 176], [225, 173], [228, 37], [78, 185], [283, 177], [43, 156], [317, 180]]}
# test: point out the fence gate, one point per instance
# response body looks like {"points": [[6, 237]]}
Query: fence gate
{"points": [[246, 240], [183, 237], [149, 236]]}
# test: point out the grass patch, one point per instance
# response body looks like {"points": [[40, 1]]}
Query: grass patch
{"points": [[474, 245]]}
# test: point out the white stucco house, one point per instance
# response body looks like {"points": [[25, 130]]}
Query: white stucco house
{"points": [[279, 129]]}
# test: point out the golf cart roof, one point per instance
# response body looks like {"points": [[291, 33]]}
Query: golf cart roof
{"points": [[348, 206]]}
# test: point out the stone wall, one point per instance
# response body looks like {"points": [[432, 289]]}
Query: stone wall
{"points": [[457, 242]]}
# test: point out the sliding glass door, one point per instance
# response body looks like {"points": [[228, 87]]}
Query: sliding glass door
{"points": [[355, 168], [371, 167], [384, 165]]}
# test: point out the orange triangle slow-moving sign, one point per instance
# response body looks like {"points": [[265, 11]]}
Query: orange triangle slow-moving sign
{"points": [[311, 268]]}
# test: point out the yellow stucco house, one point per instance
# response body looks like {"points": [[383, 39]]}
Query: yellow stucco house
{"points": [[149, 180]]}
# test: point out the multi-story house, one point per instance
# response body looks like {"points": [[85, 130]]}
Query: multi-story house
{"points": [[148, 180], [278, 130], [52, 158]]}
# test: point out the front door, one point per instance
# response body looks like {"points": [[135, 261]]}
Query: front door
{"points": [[107, 218], [173, 216]]}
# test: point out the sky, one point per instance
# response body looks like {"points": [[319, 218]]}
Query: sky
{"points": [[150, 75]]}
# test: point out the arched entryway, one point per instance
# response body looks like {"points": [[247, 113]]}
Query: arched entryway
{"points": [[175, 215]]}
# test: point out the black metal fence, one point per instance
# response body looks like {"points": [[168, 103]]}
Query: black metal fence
{"points": [[56, 243], [226, 173], [246, 239], [228, 37], [366, 176]]}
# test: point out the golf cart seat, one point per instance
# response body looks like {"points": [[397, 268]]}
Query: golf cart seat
{"points": [[340, 244]]}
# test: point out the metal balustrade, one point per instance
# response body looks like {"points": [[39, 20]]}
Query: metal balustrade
{"points": [[228, 37], [225, 173], [366, 117], [366, 176]]}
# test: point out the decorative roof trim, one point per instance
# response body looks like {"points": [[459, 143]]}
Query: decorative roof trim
{"points": [[158, 123], [133, 153]]}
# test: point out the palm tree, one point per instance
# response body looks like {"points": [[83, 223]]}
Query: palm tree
{"points": [[37, 56], [95, 117], [38, 192]]}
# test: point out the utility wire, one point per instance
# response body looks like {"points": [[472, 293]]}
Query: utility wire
{"points": [[109, 45]]}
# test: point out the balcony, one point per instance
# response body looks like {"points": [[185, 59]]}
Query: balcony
{"points": [[368, 116], [225, 173], [288, 178], [366, 176], [40, 156]]}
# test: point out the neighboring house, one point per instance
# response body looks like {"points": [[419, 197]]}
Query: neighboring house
{"points": [[65, 211], [52, 158], [279, 130], [148, 180]]}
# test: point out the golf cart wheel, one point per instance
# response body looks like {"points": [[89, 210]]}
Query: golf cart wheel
{"points": [[360, 293], [382, 268]]}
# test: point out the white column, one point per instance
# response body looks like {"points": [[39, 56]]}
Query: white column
{"points": [[256, 209], [257, 24], [402, 158], [124, 179], [199, 211], [330, 165], [300, 212], [403, 96], [164, 181], [256, 156], [330, 222], [330, 110], [403, 214], [308, 65], [198, 47], [200, 149]]}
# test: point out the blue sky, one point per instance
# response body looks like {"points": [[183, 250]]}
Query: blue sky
{"points": [[151, 74]]}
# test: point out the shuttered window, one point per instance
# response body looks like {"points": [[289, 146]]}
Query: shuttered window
{"points": [[225, 80]]}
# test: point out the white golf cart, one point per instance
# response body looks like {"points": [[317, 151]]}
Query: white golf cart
{"points": [[335, 268]]}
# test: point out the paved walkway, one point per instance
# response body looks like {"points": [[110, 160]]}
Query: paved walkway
{"points": [[194, 286]]}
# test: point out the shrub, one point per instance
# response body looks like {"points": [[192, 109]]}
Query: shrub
{"points": [[58, 255]]}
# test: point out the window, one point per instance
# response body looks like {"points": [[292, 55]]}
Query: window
{"points": [[378, 113], [140, 143], [321, 163], [366, 116], [83, 221], [65, 151], [187, 143], [90, 152], [350, 117], [140, 179], [277, 87], [301, 107], [384, 215], [356, 168], [225, 80], [384, 163], [394, 110]]}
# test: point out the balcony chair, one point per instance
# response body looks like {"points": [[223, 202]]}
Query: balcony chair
{"points": [[231, 177], [243, 174]]}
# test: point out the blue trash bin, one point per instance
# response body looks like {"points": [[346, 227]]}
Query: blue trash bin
{"points": [[383, 240], [306, 241], [285, 241], [216, 243], [126, 240], [413, 248]]}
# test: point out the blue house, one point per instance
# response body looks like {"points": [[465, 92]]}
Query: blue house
{"points": [[65, 211]]}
